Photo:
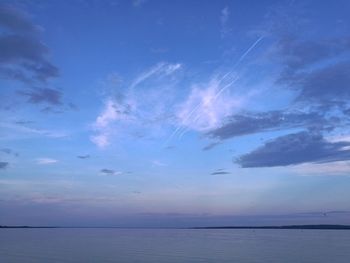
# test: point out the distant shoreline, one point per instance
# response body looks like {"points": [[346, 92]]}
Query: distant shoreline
{"points": [[301, 227], [316, 227]]}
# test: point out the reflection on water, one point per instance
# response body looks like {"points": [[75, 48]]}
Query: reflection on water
{"points": [[173, 245]]}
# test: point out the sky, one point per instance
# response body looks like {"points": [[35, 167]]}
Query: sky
{"points": [[151, 113]]}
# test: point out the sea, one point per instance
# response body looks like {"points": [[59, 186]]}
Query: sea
{"points": [[173, 245]]}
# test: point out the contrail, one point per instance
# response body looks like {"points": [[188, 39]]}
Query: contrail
{"points": [[194, 110], [250, 49], [215, 97], [179, 127], [225, 87], [242, 57]]}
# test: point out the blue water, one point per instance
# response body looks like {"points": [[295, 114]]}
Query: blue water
{"points": [[174, 245]]}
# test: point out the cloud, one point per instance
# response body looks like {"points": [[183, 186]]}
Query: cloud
{"points": [[22, 131], [220, 172], [108, 115], [101, 140], [112, 111], [44, 161], [16, 20], [6, 150], [43, 95], [319, 71], [110, 172], [87, 156], [161, 69], [3, 165], [326, 85], [224, 18], [51, 109], [9, 152], [206, 107], [334, 168], [24, 122], [210, 146], [23, 56], [250, 123], [138, 3], [131, 108], [346, 111], [296, 54], [297, 148], [158, 163]]}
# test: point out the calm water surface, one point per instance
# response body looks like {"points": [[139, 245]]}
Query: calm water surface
{"points": [[173, 245]]}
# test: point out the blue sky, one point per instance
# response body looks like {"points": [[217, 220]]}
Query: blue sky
{"points": [[174, 113]]}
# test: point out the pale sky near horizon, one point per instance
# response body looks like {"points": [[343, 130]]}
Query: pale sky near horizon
{"points": [[174, 113]]}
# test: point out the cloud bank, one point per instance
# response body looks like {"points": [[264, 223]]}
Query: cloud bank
{"points": [[296, 148]]}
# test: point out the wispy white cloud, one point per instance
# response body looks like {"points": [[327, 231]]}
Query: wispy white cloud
{"points": [[206, 106], [335, 168], [151, 103], [114, 110], [137, 108], [340, 138], [224, 18], [138, 3], [101, 139], [108, 115], [158, 163], [45, 160], [10, 130], [160, 69]]}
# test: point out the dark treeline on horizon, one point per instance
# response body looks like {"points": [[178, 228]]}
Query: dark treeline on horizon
{"points": [[311, 227]]}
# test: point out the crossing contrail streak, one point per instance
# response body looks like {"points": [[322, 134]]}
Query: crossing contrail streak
{"points": [[242, 57], [215, 97], [179, 128], [250, 49]]}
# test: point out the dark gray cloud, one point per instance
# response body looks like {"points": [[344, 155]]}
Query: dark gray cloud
{"points": [[108, 171], [9, 152], [49, 109], [219, 173], [170, 147], [296, 54], [327, 85], [72, 106], [24, 57], [24, 122], [83, 156], [16, 20], [308, 67], [16, 48], [346, 111], [319, 73], [210, 145], [6, 150], [15, 74], [245, 124], [296, 148], [3, 165], [43, 95]]}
